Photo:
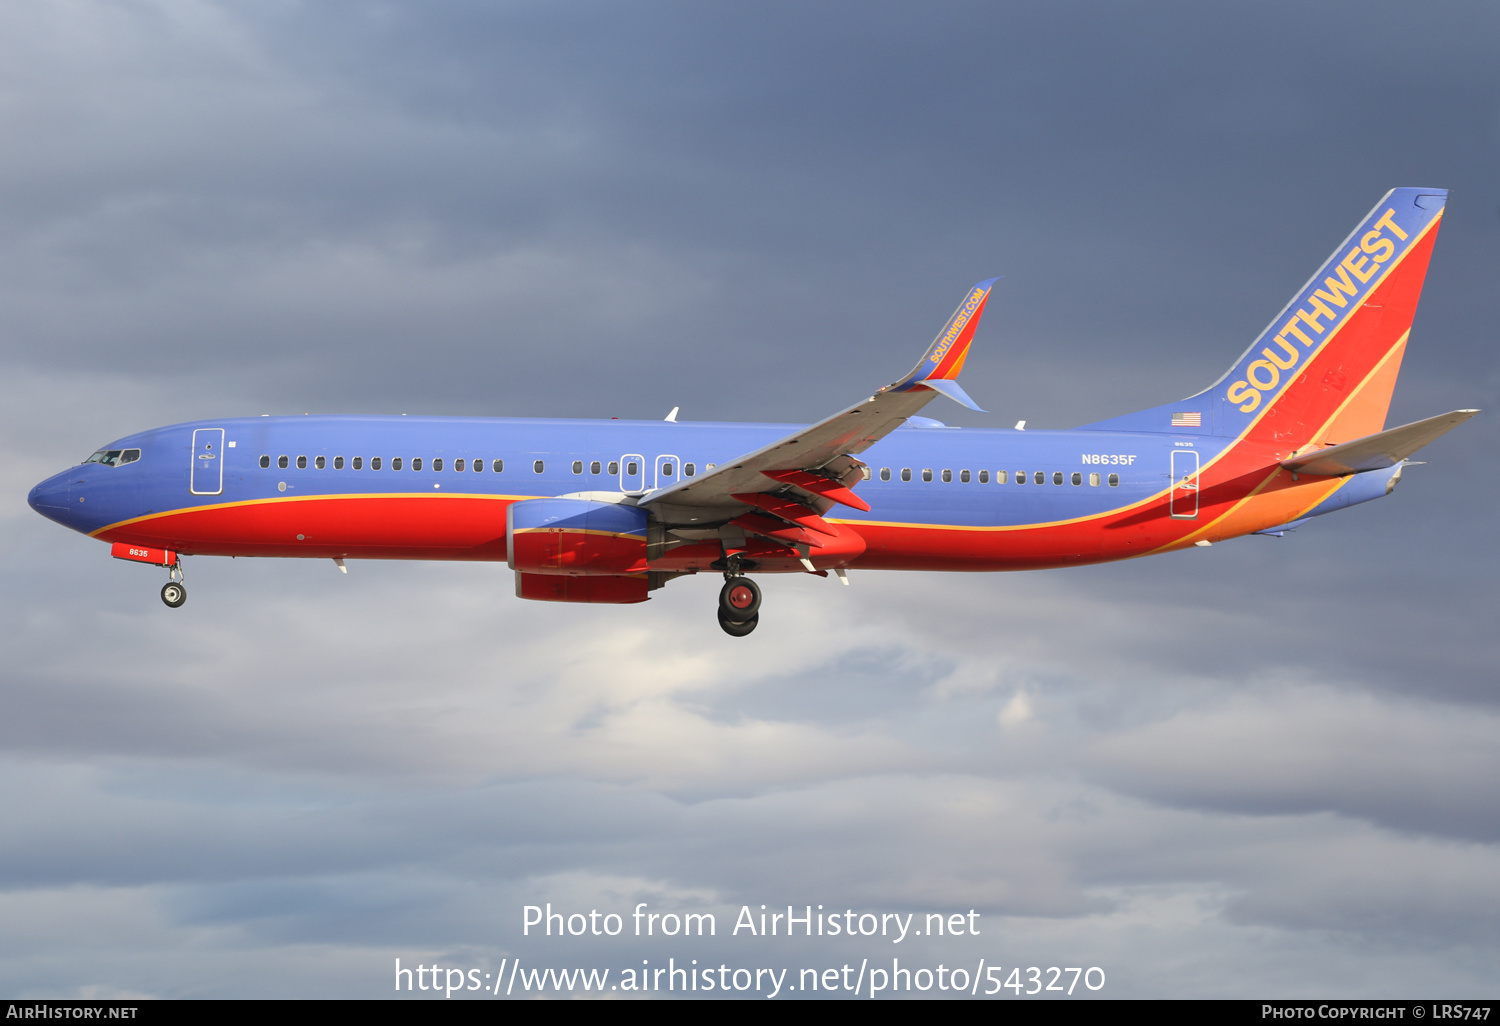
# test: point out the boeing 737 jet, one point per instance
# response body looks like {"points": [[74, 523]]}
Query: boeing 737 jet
{"points": [[610, 510]]}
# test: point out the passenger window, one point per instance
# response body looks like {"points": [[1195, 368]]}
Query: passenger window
{"points": [[1114, 480], [632, 468], [301, 462], [265, 463], [1057, 477], [282, 462], [320, 462], [578, 466], [614, 468], [437, 464], [963, 476], [865, 473], [1020, 477], [947, 477], [374, 462], [885, 473], [926, 473], [459, 465], [906, 473], [709, 467], [594, 467], [538, 466], [416, 463], [359, 463], [338, 463], [689, 469], [1039, 478], [984, 476], [396, 463], [1002, 477], [1094, 480], [1077, 478], [129, 456], [666, 470], [498, 466]]}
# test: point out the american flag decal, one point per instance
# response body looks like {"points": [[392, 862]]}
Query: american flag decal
{"points": [[1187, 420]]}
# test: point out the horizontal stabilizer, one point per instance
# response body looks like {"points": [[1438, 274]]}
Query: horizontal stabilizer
{"points": [[1282, 530], [1378, 451]]}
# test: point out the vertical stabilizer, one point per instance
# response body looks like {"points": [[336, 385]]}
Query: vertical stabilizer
{"points": [[1324, 369]]}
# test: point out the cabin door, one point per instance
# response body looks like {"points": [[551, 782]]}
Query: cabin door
{"points": [[1184, 484], [207, 474]]}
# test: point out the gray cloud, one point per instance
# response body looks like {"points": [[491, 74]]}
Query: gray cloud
{"points": [[1265, 767]]}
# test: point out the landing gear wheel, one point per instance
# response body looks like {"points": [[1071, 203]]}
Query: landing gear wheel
{"points": [[173, 594], [739, 600], [738, 628]]}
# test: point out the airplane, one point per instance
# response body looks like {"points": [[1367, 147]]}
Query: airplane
{"points": [[608, 511]]}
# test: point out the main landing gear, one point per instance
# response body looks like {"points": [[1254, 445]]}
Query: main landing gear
{"points": [[174, 592], [739, 605]]}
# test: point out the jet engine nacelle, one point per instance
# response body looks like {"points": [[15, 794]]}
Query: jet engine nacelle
{"points": [[575, 538], [615, 590]]}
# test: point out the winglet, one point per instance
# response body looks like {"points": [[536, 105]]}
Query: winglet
{"points": [[953, 391], [940, 365]]}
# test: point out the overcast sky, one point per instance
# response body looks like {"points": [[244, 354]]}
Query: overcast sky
{"points": [[1265, 768]]}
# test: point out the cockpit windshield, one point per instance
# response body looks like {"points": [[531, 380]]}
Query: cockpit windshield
{"points": [[114, 457]]}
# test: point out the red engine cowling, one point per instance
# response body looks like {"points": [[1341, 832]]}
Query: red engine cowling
{"points": [[576, 538], [617, 590]]}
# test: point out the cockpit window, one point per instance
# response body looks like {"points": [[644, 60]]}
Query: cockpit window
{"points": [[114, 457]]}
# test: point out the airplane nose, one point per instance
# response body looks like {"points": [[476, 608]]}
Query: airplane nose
{"points": [[50, 498]]}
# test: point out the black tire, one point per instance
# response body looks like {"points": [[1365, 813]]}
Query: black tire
{"points": [[739, 599], [738, 628], [173, 594]]}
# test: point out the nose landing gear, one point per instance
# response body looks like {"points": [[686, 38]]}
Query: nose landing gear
{"points": [[739, 605], [174, 592]]}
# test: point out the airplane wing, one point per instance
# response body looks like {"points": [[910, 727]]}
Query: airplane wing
{"points": [[815, 467], [1377, 451]]}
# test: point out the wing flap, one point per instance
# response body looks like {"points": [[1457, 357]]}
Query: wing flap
{"points": [[779, 530], [793, 512], [818, 485]]}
